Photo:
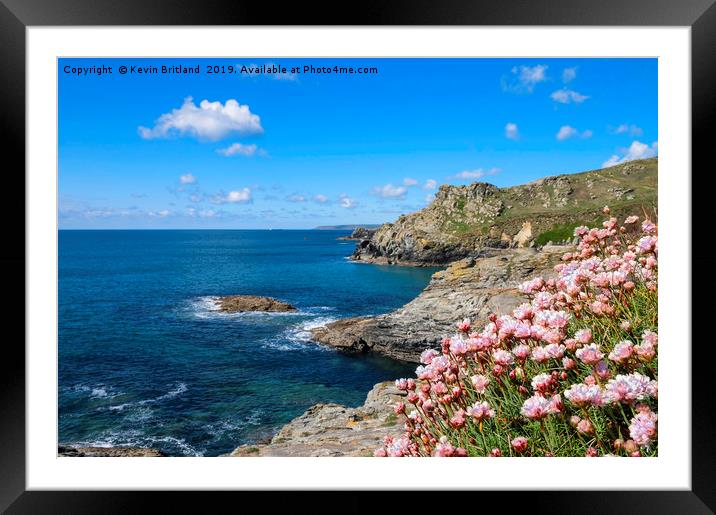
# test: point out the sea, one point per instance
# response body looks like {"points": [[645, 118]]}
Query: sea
{"points": [[146, 359]]}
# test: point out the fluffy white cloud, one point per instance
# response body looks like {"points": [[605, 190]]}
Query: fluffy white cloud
{"points": [[524, 78], [187, 178], [238, 149], [567, 96], [476, 174], [347, 202], [637, 150], [567, 131], [569, 74], [429, 197], [235, 196], [632, 130], [163, 213], [390, 191], [511, 131], [320, 198], [296, 198], [207, 121], [430, 184], [409, 182]]}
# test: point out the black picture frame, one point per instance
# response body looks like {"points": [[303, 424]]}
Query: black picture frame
{"points": [[17, 15]]}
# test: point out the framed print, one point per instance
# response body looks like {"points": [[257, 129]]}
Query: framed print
{"points": [[276, 252]]}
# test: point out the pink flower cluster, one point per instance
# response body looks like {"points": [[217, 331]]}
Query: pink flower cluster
{"points": [[588, 336]]}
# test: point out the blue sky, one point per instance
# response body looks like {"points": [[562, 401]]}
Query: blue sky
{"points": [[297, 150]]}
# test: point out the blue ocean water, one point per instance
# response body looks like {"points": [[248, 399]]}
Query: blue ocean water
{"points": [[145, 358]]}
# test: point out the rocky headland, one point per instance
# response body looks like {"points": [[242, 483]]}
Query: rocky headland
{"points": [[471, 288], [463, 220], [242, 303]]}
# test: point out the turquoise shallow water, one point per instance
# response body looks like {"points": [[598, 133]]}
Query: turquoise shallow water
{"points": [[145, 359]]}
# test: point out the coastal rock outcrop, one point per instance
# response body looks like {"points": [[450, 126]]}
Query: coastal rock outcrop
{"points": [[463, 219], [107, 452], [469, 288], [335, 430], [358, 234], [241, 303]]}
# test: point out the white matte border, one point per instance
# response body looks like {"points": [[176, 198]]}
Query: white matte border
{"points": [[672, 469]]}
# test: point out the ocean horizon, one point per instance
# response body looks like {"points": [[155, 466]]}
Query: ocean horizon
{"points": [[146, 359]]}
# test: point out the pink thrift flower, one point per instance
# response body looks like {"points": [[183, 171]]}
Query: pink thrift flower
{"points": [[458, 419], [519, 444], [444, 448], [601, 369], [583, 336], [480, 383], [630, 388], [622, 351], [584, 395], [538, 407], [495, 453], [584, 426], [643, 427], [480, 411], [589, 354], [502, 357], [521, 351], [631, 219], [592, 452], [458, 347], [542, 382], [464, 326], [427, 356]]}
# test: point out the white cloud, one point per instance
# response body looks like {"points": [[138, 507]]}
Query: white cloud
{"points": [[296, 198], [511, 131], [163, 213], [476, 174], [524, 78], [187, 178], [347, 202], [429, 197], [238, 149], [390, 191], [235, 196], [207, 213], [409, 182], [207, 121], [632, 130], [569, 74], [637, 150], [430, 184], [320, 198], [567, 132], [567, 96]]}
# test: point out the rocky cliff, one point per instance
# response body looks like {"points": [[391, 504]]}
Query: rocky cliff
{"points": [[464, 219], [469, 288]]}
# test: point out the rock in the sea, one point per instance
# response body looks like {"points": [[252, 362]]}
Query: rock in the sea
{"points": [[107, 452], [241, 303], [470, 288], [335, 430]]}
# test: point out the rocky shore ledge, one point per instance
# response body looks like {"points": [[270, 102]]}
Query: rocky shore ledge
{"points": [[470, 288], [107, 452], [335, 430], [242, 303]]}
